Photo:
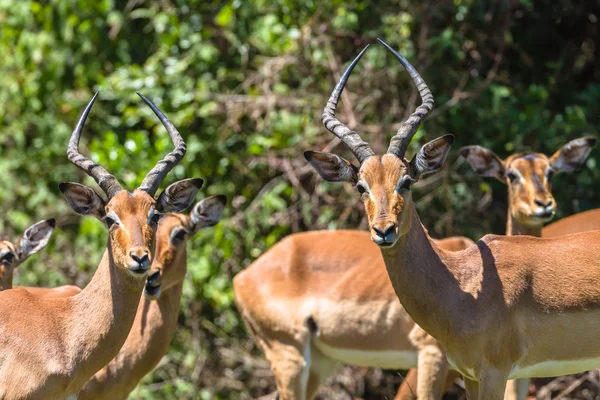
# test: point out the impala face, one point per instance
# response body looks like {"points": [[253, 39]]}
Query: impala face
{"points": [[34, 239], [131, 218], [384, 184], [529, 176], [174, 230]]}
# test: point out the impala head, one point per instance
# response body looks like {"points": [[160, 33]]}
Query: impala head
{"points": [[34, 239], [131, 218], [383, 182], [174, 230], [529, 176]]}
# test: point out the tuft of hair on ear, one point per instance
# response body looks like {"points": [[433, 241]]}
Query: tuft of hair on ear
{"points": [[208, 212], [82, 199], [431, 156], [572, 156], [179, 195], [332, 167]]}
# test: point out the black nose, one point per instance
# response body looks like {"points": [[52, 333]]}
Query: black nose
{"points": [[140, 260], [388, 230], [543, 203]]}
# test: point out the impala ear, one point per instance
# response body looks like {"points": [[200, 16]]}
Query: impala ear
{"points": [[179, 195], [483, 161], [572, 155], [207, 212], [83, 200], [431, 156], [35, 238], [331, 167]]}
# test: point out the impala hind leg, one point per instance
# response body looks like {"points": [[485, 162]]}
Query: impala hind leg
{"points": [[321, 368], [517, 389], [290, 362], [432, 373]]}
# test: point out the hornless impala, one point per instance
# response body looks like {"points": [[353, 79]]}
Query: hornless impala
{"points": [[507, 307], [34, 239], [155, 321], [51, 347], [318, 298], [530, 201]]}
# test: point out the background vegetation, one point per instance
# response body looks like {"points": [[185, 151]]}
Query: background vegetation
{"points": [[245, 82]]}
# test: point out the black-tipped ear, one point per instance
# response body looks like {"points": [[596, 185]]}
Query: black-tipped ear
{"points": [[179, 195], [572, 155], [331, 167], [485, 162], [35, 238], [82, 199], [431, 156], [207, 212]]}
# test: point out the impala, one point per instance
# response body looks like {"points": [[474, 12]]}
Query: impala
{"points": [[49, 348], [318, 298], [503, 308], [157, 313], [530, 201], [34, 239]]}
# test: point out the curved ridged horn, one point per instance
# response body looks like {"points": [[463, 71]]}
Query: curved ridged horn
{"points": [[402, 138], [109, 184], [153, 179], [359, 148]]}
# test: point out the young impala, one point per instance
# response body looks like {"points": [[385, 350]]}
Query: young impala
{"points": [[528, 177], [51, 347], [157, 313], [503, 308]]}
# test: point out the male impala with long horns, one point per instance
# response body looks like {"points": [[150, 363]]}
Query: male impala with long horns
{"points": [[504, 308]]}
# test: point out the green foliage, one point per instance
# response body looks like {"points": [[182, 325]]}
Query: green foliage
{"points": [[245, 82]]}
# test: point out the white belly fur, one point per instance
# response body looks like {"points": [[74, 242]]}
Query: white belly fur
{"points": [[554, 368], [362, 358]]}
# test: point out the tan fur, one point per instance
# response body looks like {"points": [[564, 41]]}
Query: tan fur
{"points": [[52, 346], [580, 222], [500, 306], [57, 292], [155, 321], [328, 292]]}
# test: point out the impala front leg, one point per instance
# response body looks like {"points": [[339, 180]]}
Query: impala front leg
{"points": [[472, 388], [492, 384]]}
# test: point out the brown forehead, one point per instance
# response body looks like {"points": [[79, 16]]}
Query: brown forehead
{"points": [[528, 162], [125, 203], [382, 169], [168, 222], [6, 245]]}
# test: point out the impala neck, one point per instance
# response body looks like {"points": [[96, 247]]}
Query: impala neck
{"points": [[514, 227], [102, 315], [426, 287]]}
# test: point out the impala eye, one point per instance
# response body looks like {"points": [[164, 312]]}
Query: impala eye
{"points": [[550, 174], [109, 222], [8, 258], [361, 189], [153, 217], [512, 177], [178, 235], [405, 183]]}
